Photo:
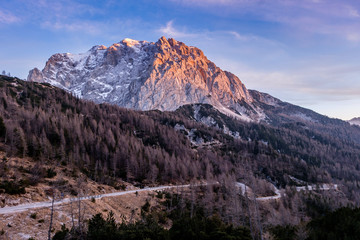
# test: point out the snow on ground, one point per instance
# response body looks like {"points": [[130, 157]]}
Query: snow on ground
{"points": [[23, 236], [244, 188], [323, 187], [278, 192], [304, 117]]}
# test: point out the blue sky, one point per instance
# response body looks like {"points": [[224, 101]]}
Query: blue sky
{"points": [[306, 52]]}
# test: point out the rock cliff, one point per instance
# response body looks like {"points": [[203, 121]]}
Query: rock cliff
{"points": [[144, 75]]}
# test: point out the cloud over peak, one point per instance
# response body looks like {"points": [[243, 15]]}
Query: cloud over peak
{"points": [[170, 31]]}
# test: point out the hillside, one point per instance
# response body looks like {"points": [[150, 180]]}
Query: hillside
{"points": [[111, 145], [30, 181], [106, 141], [310, 146], [287, 115]]}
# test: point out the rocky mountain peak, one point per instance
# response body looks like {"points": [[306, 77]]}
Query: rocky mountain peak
{"points": [[162, 41], [171, 46], [102, 47], [141, 75], [130, 42]]}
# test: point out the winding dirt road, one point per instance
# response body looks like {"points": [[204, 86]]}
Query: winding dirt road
{"points": [[243, 188], [27, 206]]}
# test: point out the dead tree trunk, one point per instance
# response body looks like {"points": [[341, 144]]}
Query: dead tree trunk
{"points": [[51, 216], [72, 213], [79, 217]]}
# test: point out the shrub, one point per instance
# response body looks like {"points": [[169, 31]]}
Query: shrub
{"points": [[287, 232], [146, 207], [13, 188], [61, 234], [50, 173]]}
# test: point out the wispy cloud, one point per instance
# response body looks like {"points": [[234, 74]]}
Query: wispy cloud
{"points": [[330, 83], [56, 15], [242, 37], [92, 28], [327, 17], [170, 31], [353, 12], [211, 2], [72, 16], [353, 37], [7, 17], [61, 9]]}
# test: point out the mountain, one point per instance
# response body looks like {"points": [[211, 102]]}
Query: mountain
{"points": [[167, 75], [145, 76], [355, 121]]}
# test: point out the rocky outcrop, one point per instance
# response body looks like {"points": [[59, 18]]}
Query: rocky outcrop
{"points": [[35, 75], [145, 75]]}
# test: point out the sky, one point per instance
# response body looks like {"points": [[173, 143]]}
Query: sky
{"points": [[306, 52]]}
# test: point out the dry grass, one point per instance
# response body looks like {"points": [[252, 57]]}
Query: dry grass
{"points": [[35, 222]]}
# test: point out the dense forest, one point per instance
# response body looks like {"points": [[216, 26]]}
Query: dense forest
{"points": [[108, 143]]}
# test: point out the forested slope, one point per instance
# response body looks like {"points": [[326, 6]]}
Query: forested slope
{"points": [[108, 142]]}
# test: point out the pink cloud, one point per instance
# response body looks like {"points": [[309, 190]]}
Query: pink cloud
{"points": [[8, 18]]}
